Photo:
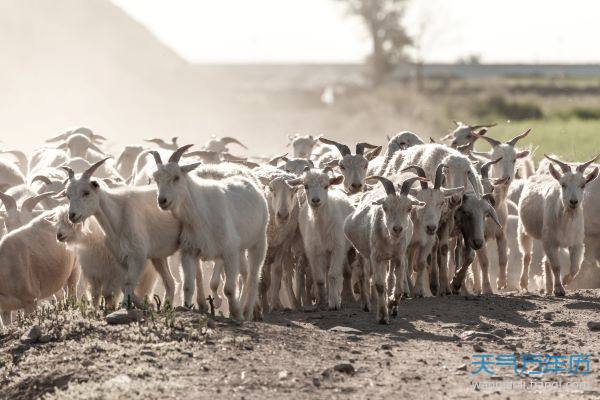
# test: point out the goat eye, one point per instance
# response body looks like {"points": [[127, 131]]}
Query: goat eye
{"points": [[564, 186], [306, 187], [342, 167], [86, 193], [326, 187], [176, 179]]}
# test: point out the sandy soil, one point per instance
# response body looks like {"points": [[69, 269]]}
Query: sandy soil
{"points": [[426, 352]]}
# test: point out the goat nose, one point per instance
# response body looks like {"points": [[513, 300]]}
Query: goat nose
{"points": [[72, 216], [162, 201], [59, 237], [477, 243], [281, 215], [315, 200], [397, 229], [574, 202], [356, 186], [431, 229]]}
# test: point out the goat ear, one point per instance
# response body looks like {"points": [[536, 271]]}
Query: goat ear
{"points": [[593, 175], [416, 202], [373, 153], [482, 154], [188, 168], [490, 198], [295, 182], [523, 154], [264, 180], [377, 202], [554, 172], [336, 180], [60, 195]]}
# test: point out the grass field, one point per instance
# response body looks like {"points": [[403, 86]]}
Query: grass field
{"points": [[574, 140]]}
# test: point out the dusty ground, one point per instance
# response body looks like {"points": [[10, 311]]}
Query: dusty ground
{"points": [[426, 352]]}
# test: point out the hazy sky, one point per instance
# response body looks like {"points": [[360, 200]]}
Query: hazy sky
{"points": [[321, 31]]}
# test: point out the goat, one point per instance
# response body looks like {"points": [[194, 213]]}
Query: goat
{"points": [[321, 223], [381, 229], [353, 167], [136, 230], [220, 220], [551, 211]]}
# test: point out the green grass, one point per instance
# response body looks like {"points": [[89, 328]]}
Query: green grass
{"points": [[573, 140]]}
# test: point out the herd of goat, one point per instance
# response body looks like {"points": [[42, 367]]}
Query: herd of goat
{"points": [[322, 227]]}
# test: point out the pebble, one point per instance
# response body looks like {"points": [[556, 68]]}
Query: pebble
{"points": [[123, 317], [549, 316], [478, 348], [282, 375], [463, 367], [344, 329], [345, 369], [33, 335], [211, 323], [593, 326]]}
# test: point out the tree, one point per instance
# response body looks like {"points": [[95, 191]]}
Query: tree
{"points": [[383, 20]]}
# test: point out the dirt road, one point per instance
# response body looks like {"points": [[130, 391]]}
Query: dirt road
{"points": [[429, 351]]}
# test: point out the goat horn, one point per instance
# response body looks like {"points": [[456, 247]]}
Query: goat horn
{"points": [[407, 184], [157, 157], [490, 140], [563, 165], [90, 171], [485, 168], [360, 147], [474, 183], [176, 156], [420, 172], [494, 216], [70, 172], [59, 137], [9, 202], [439, 176], [514, 140], [344, 150], [583, 167], [228, 139], [30, 203], [388, 185], [473, 127], [96, 148], [42, 178], [273, 161]]}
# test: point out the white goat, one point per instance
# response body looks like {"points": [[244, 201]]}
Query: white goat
{"points": [[104, 273], [15, 217], [322, 227], [551, 211], [353, 167], [33, 266], [220, 220], [136, 230], [381, 229]]}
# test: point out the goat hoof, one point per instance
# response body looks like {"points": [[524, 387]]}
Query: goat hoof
{"points": [[384, 321], [559, 292]]}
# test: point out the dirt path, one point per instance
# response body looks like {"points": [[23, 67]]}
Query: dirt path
{"points": [[426, 352]]}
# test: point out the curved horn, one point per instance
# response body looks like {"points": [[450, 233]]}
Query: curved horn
{"points": [[439, 176], [229, 139], [344, 150], [473, 180], [420, 172], [490, 140], [59, 137], [157, 157], [485, 168], [30, 203], [9, 202], [70, 172], [464, 149], [41, 178], [388, 185], [90, 171], [583, 167], [514, 140], [18, 154], [407, 184], [273, 161], [96, 148], [176, 156], [473, 127], [360, 147], [494, 216], [563, 165], [95, 136]]}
